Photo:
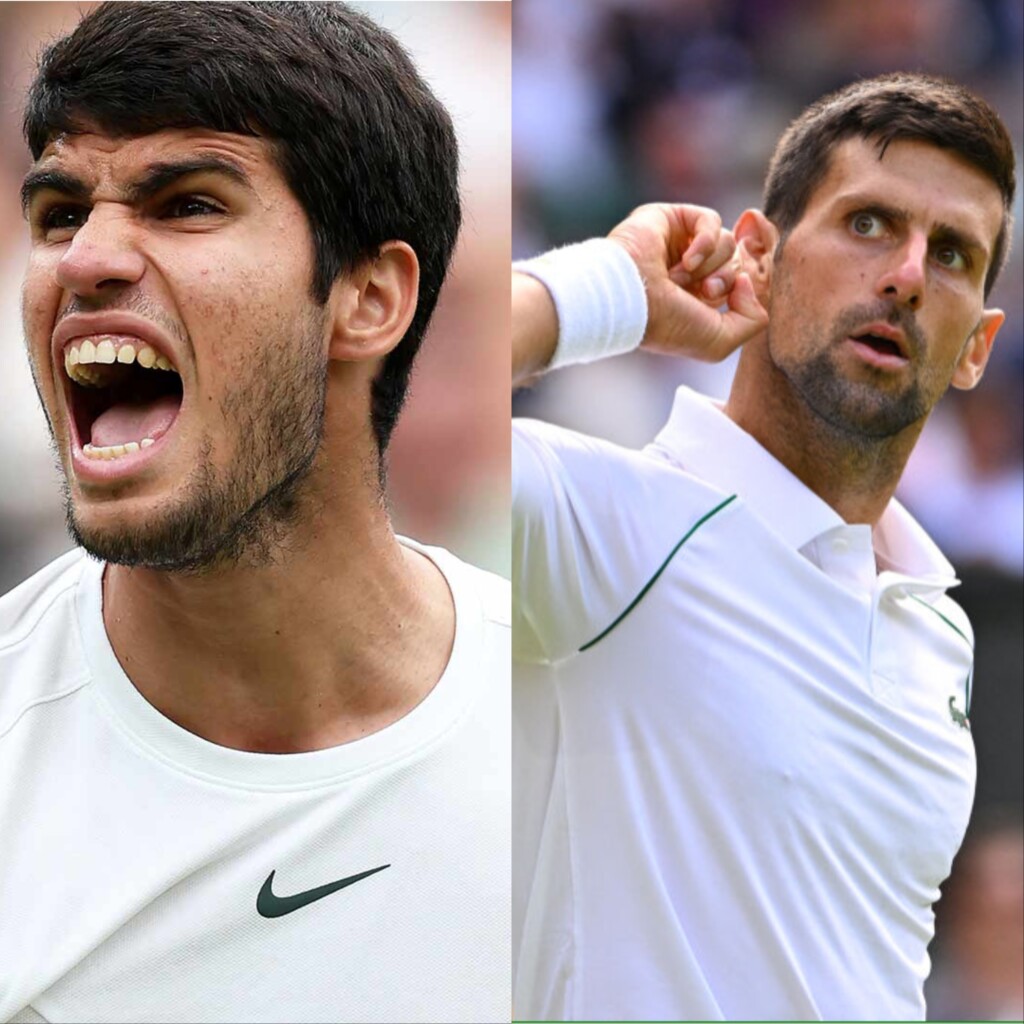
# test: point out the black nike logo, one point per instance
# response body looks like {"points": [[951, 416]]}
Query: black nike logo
{"points": [[270, 905]]}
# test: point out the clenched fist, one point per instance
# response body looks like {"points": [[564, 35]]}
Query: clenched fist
{"points": [[690, 267]]}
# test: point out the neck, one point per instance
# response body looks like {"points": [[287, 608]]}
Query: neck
{"points": [[855, 475], [337, 635]]}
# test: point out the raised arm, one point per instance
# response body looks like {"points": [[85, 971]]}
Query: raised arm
{"points": [[534, 328]]}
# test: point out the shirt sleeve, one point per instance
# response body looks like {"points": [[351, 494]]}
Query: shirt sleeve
{"points": [[584, 539], [549, 606]]}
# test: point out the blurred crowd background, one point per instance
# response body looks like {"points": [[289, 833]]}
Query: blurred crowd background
{"points": [[621, 102], [449, 463]]}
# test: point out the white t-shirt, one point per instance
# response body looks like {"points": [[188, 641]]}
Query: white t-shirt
{"points": [[134, 855], [741, 758]]}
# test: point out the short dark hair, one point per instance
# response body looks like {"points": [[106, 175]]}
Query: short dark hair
{"points": [[900, 106], [365, 146]]}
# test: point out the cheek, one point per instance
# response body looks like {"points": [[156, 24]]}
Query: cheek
{"points": [[788, 302], [239, 312], [950, 344], [950, 316], [39, 299], [39, 294], [811, 291]]}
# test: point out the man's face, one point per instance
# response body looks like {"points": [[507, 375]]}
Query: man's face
{"points": [[174, 343], [877, 297]]}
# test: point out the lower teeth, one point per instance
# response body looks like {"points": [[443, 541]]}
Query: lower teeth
{"points": [[115, 451]]}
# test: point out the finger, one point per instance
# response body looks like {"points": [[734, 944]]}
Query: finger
{"points": [[744, 318], [717, 266], [705, 228], [711, 290], [656, 237], [681, 277], [714, 289], [721, 256], [721, 283], [743, 300]]}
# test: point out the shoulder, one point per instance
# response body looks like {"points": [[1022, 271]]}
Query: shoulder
{"points": [[40, 650], [591, 524], [570, 451], [593, 495], [491, 591], [479, 663], [487, 593], [553, 465], [22, 608]]}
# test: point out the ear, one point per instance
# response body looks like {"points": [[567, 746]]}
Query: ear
{"points": [[973, 359], [374, 304], [756, 237]]}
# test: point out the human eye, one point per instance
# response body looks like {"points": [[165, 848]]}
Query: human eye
{"points": [[59, 219], [952, 258], [866, 224], [189, 206]]}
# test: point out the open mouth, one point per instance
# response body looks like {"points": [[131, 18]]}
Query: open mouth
{"points": [[124, 395], [884, 346]]}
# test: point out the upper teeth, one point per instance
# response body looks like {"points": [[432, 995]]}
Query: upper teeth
{"points": [[81, 357]]}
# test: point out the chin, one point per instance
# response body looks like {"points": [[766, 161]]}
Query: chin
{"points": [[182, 539], [868, 410], [864, 412], [207, 529]]}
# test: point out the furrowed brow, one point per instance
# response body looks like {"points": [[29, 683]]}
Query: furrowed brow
{"points": [[156, 178], [42, 180], [162, 175]]}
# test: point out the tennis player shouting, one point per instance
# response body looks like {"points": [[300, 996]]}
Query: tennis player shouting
{"points": [[741, 745], [254, 757]]}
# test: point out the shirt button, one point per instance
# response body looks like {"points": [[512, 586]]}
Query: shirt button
{"points": [[840, 544]]}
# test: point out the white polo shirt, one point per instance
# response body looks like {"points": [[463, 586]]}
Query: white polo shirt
{"points": [[741, 758], [147, 874]]}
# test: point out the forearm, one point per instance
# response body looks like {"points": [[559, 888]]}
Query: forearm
{"points": [[574, 305], [534, 328]]}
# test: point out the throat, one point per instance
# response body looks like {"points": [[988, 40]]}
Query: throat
{"points": [[854, 473]]}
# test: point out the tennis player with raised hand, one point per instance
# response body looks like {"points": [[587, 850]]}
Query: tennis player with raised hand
{"points": [[254, 757], [742, 756]]}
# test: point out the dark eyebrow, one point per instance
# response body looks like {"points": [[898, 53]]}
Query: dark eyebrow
{"points": [[156, 178], [159, 176], [945, 234], [37, 181], [891, 213], [941, 233]]}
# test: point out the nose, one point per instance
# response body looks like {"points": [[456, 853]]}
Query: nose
{"points": [[904, 277], [101, 257]]}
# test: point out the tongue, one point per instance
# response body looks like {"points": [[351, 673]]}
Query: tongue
{"points": [[126, 421]]}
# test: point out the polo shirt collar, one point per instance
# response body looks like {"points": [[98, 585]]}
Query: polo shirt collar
{"points": [[701, 439], [903, 547]]}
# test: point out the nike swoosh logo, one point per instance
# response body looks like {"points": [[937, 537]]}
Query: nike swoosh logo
{"points": [[270, 905]]}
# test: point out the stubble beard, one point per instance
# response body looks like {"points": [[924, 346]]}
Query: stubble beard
{"points": [[865, 411], [860, 410], [241, 515]]}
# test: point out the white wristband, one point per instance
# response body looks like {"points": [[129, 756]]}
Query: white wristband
{"points": [[599, 297]]}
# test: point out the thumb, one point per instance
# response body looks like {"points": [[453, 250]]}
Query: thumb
{"points": [[744, 318]]}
